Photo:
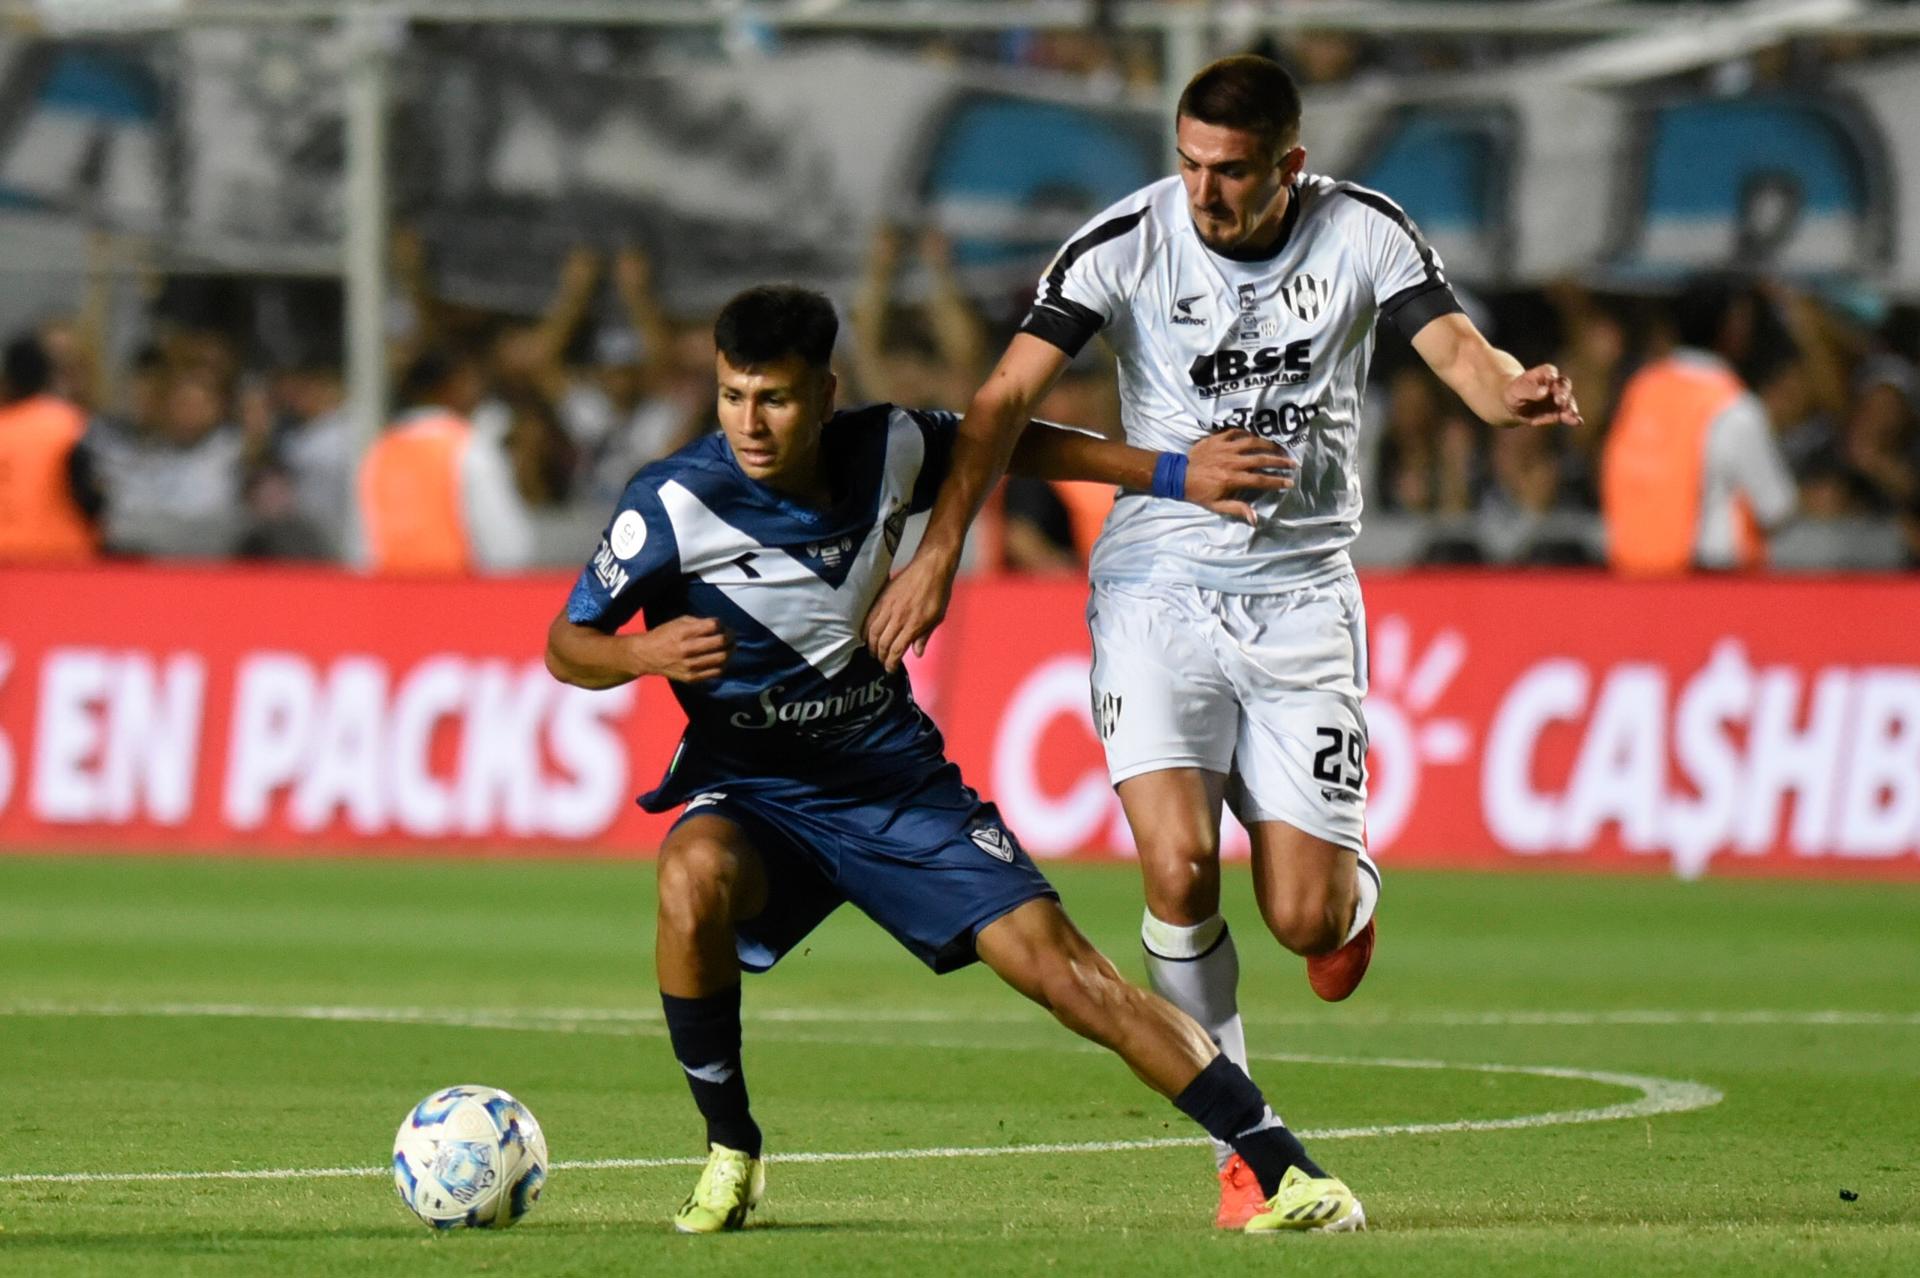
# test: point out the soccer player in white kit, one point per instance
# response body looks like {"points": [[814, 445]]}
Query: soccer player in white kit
{"points": [[1229, 657]]}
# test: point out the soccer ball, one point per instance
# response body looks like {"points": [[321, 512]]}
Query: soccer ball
{"points": [[470, 1156]]}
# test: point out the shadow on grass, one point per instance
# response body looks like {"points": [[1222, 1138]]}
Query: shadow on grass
{"points": [[235, 1240]]}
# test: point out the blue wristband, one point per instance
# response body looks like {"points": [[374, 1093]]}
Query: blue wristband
{"points": [[1170, 476]]}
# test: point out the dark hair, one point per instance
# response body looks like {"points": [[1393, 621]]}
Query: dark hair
{"points": [[773, 321], [28, 371], [1247, 92], [1702, 308], [428, 375]]}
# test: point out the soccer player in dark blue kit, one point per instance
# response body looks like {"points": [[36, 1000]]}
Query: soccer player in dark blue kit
{"points": [[808, 775]]}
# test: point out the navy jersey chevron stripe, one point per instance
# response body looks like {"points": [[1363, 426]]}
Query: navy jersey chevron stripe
{"points": [[800, 695]]}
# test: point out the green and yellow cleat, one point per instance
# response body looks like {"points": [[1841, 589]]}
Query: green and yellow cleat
{"points": [[1307, 1202], [730, 1185]]}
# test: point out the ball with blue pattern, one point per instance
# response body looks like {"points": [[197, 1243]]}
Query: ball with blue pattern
{"points": [[470, 1157]]}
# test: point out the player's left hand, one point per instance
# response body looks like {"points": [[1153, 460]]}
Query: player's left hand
{"points": [[1230, 466], [1542, 396], [909, 607]]}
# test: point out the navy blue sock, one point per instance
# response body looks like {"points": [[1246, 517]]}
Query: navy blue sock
{"points": [[706, 1041], [1225, 1101]]}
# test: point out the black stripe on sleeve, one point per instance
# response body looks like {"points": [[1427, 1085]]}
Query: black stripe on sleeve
{"points": [[1412, 308], [1055, 317]]}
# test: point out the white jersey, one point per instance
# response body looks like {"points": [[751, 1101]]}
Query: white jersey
{"points": [[1278, 346]]}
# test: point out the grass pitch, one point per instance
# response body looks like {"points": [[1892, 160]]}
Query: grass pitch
{"points": [[162, 1017]]}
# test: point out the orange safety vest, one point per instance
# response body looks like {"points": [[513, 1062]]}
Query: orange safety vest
{"points": [[410, 497], [1653, 470], [39, 520]]}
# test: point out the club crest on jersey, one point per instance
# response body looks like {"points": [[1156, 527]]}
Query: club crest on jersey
{"points": [[894, 526], [830, 553], [1183, 310], [1306, 296], [992, 840]]}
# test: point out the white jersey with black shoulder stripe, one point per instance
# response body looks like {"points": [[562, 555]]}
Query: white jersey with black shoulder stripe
{"points": [[1278, 346]]}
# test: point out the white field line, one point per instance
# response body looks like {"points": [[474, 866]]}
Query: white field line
{"points": [[1657, 1096], [641, 1018]]}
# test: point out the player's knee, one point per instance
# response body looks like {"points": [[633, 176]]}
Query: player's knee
{"points": [[696, 885], [1183, 887], [1307, 924]]}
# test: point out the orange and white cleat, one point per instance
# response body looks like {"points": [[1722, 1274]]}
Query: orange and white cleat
{"points": [[1240, 1196], [1334, 976]]}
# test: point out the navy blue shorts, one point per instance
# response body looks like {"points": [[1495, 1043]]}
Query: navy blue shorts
{"points": [[927, 861]]}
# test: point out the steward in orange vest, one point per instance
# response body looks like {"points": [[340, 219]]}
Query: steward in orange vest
{"points": [[1690, 474], [49, 498], [412, 489]]}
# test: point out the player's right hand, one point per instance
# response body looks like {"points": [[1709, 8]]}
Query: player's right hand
{"points": [[1228, 467], [686, 649]]}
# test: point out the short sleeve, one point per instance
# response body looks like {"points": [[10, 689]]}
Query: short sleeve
{"points": [[937, 430], [1744, 450], [1087, 283], [636, 559], [1407, 277]]}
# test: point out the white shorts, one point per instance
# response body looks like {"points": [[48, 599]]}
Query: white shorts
{"points": [[1264, 688]]}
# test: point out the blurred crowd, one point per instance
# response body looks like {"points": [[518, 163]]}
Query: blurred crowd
{"points": [[203, 447]]}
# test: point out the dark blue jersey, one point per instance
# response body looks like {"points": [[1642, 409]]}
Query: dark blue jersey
{"points": [[801, 696]]}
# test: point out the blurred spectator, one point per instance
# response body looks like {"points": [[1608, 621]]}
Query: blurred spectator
{"points": [[49, 494], [526, 360], [1594, 351], [1691, 475], [300, 494], [1883, 438], [542, 456], [174, 466], [931, 353], [1427, 456], [633, 404], [435, 497]]}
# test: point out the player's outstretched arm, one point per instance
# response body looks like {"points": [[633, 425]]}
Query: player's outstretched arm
{"points": [[1220, 473], [1492, 382], [685, 650], [913, 603]]}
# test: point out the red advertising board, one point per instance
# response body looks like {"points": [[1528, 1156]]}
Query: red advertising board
{"points": [[1703, 726]]}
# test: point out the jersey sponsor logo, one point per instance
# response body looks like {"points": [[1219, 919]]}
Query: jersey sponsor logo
{"points": [[1183, 310], [994, 841], [843, 710], [629, 534], [1306, 296], [1236, 368], [1272, 421], [607, 570]]}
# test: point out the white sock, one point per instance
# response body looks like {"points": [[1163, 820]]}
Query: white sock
{"points": [[1366, 884], [1198, 971]]}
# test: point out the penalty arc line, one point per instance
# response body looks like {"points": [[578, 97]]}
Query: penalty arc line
{"points": [[1657, 1096]]}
